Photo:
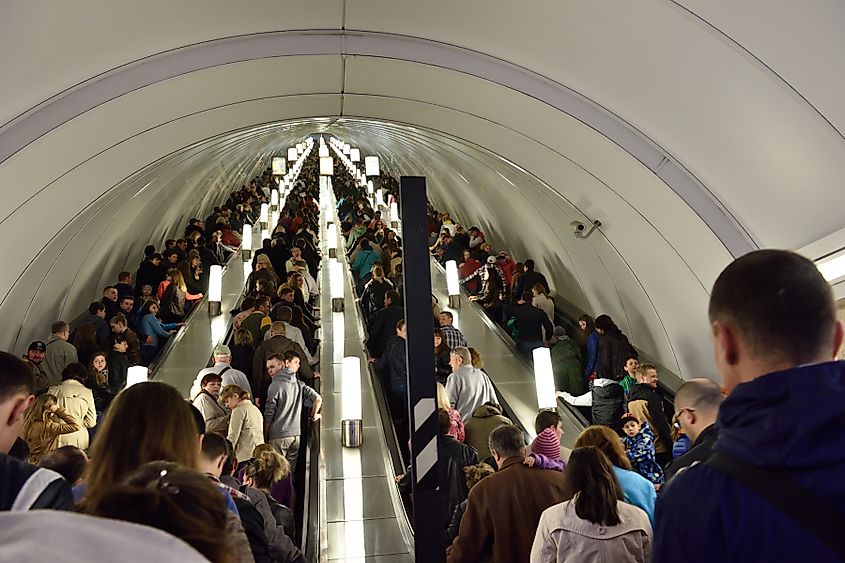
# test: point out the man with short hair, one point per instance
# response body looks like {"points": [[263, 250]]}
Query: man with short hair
{"points": [[22, 486], [504, 509], [222, 355], [451, 335], [110, 301], [646, 403], [696, 406], [383, 324], [774, 488], [59, 352], [34, 357], [124, 284], [278, 343], [254, 322], [467, 387], [532, 323], [284, 314], [127, 308], [120, 328], [94, 316], [529, 279], [285, 400]]}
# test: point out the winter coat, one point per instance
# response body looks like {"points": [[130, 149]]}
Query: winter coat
{"points": [[791, 421], [489, 529], [591, 357], [563, 536], [364, 263], [150, 325], [172, 308], [637, 490], [698, 452], [372, 299], [42, 435], [452, 457], [607, 404], [640, 451], [566, 366], [78, 401], [478, 427], [647, 404], [59, 354], [382, 327], [216, 418], [614, 350], [246, 429]]}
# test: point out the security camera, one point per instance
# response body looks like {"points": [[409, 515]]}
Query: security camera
{"points": [[581, 228]]}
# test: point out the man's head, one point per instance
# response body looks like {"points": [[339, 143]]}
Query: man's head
{"points": [[97, 309], [278, 328], [647, 374], [286, 294], [275, 364], [292, 361], [631, 365], [222, 353], [392, 297], [262, 304], [458, 357], [284, 314], [110, 293], [60, 329], [697, 405], [119, 343], [127, 304], [401, 331], [17, 385], [444, 423], [182, 244], [630, 425], [446, 318], [125, 277], [212, 454], [67, 461], [506, 441], [35, 352], [528, 265], [549, 419], [771, 310]]}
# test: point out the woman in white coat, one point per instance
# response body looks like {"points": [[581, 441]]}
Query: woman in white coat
{"points": [[246, 424], [596, 524], [78, 400]]}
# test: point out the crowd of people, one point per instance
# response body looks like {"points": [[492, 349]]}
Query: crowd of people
{"points": [[218, 471]]}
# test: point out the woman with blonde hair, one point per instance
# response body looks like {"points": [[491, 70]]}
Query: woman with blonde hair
{"points": [[636, 489], [44, 422], [542, 301], [246, 424], [172, 309], [262, 473], [456, 423]]}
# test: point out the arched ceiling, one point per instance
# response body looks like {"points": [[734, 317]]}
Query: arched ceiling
{"points": [[693, 130]]}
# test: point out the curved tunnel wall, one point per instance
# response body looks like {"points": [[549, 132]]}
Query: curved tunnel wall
{"points": [[497, 155]]}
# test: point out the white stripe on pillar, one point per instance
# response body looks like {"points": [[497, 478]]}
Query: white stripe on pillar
{"points": [[426, 459], [422, 410]]}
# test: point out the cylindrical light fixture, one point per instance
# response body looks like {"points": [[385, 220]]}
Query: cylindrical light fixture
{"points": [[279, 165], [264, 215], [351, 408], [347, 149], [336, 283], [394, 214], [136, 374], [274, 198], [300, 148], [215, 289], [292, 154], [371, 166], [544, 378], [274, 219], [453, 285], [331, 240], [370, 189], [265, 234], [355, 155], [379, 197], [324, 151], [326, 166], [246, 242]]}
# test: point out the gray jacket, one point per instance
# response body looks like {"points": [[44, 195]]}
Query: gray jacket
{"points": [[469, 388], [285, 400], [59, 354]]}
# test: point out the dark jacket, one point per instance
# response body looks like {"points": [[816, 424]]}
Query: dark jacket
{"points": [[700, 451], [503, 513], [242, 359], [607, 408], [566, 366], [253, 525], [382, 327], [372, 299], [452, 457], [276, 345], [792, 421], [614, 349], [645, 402], [393, 364], [118, 369], [148, 274], [101, 328], [527, 281], [54, 494], [530, 322], [478, 427]]}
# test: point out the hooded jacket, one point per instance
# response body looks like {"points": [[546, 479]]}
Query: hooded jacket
{"points": [[477, 428], [614, 349], [791, 421]]}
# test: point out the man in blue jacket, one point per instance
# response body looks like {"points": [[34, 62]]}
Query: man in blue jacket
{"points": [[775, 332]]}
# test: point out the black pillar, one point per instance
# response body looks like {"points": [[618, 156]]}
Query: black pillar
{"points": [[429, 507]]}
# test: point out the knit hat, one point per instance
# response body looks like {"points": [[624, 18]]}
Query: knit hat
{"points": [[547, 443], [560, 332], [627, 417]]}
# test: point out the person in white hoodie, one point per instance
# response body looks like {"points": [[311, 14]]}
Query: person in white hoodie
{"points": [[467, 387]]}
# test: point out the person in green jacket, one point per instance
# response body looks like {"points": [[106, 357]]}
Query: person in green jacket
{"points": [[566, 364]]}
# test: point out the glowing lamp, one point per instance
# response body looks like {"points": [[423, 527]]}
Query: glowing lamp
{"points": [[246, 242], [453, 285], [279, 165], [370, 190], [136, 374], [274, 197], [215, 289], [264, 215], [331, 240], [371, 167], [292, 154], [355, 155], [326, 166], [544, 378], [324, 151], [336, 283], [351, 409], [347, 149]]}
